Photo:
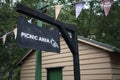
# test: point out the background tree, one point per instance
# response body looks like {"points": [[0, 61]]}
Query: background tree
{"points": [[10, 53], [92, 23], [108, 29]]}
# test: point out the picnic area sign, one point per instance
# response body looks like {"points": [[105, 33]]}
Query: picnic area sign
{"points": [[34, 37], [64, 29]]}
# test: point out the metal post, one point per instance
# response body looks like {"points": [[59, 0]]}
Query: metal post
{"points": [[38, 72]]}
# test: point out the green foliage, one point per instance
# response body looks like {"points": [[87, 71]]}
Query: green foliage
{"points": [[99, 27], [9, 53], [92, 22], [108, 29], [30, 3]]}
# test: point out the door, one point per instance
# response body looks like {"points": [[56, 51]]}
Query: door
{"points": [[54, 74]]}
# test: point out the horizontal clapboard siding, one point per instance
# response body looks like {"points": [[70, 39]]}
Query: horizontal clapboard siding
{"points": [[116, 73], [115, 61], [28, 68], [94, 63], [28, 78]]}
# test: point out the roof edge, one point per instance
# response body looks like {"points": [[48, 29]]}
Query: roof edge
{"points": [[27, 54], [98, 44]]}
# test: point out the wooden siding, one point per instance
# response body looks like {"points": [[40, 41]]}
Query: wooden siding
{"points": [[115, 62], [28, 68], [94, 62]]}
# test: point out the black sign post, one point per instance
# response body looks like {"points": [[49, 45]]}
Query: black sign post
{"points": [[63, 28]]}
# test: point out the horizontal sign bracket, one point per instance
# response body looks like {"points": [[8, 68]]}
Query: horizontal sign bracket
{"points": [[65, 29]]}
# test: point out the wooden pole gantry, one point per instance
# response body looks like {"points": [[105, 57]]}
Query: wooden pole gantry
{"points": [[63, 28]]}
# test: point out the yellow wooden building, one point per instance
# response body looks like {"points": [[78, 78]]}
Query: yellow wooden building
{"points": [[98, 61]]}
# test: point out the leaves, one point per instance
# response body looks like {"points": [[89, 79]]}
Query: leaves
{"points": [[110, 27], [91, 23], [9, 53]]}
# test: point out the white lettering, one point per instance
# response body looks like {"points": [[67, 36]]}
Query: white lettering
{"points": [[42, 39], [54, 43], [29, 36], [48, 40], [22, 34]]}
